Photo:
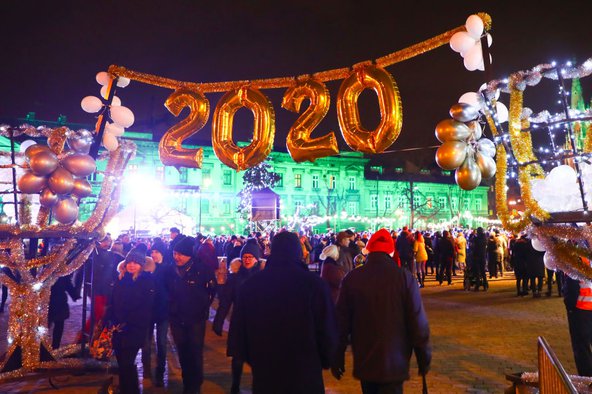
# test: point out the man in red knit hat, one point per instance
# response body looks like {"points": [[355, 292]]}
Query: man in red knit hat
{"points": [[380, 308]]}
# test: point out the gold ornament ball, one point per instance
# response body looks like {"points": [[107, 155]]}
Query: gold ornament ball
{"points": [[451, 154], [30, 183], [43, 162], [65, 211], [452, 130], [468, 175], [61, 181], [79, 164]]}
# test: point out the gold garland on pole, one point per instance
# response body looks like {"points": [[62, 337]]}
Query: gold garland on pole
{"points": [[284, 82]]}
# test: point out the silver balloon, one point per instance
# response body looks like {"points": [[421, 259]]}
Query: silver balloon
{"points": [[82, 188], [65, 211], [451, 130], [463, 112], [476, 130], [47, 198], [79, 164], [81, 141], [43, 163], [30, 183], [34, 149], [486, 146], [486, 164], [468, 175], [451, 154], [61, 181]]}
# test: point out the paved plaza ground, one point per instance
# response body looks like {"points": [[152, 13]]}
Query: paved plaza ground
{"points": [[477, 338]]}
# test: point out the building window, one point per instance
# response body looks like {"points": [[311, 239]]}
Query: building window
{"points": [[454, 203], [205, 206], [315, 181], [416, 201], [374, 201], [280, 182], [466, 204], [332, 181], [298, 181], [388, 202], [160, 173], [352, 208], [403, 202], [399, 170], [298, 206], [183, 175], [442, 202], [227, 177], [478, 205], [352, 183], [206, 174], [226, 206]]}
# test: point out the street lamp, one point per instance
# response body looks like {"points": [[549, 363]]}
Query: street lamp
{"points": [[206, 182]]}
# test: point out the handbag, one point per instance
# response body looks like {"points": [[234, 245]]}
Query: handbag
{"points": [[101, 344]]}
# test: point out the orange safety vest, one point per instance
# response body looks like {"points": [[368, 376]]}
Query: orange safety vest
{"points": [[585, 298]]}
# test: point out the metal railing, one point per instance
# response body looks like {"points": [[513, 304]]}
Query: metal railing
{"points": [[552, 376]]}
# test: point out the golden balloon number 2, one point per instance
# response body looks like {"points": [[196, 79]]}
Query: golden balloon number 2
{"points": [[299, 143], [389, 101], [263, 133], [170, 150]]}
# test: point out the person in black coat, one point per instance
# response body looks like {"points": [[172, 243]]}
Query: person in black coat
{"points": [[380, 312], [227, 295], [536, 270], [190, 286], [131, 310], [59, 310], [520, 251], [478, 247], [160, 314], [284, 324]]}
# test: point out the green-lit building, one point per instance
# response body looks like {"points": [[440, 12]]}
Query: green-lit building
{"points": [[336, 192]]}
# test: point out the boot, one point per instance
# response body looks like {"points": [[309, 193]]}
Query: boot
{"points": [[423, 275]]}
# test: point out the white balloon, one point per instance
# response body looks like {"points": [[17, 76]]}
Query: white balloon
{"points": [[474, 57], [471, 98], [562, 175], [110, 142], [486, 147], [537, 245], [26, 144], [549, 263], [116, 102], [104, 92], [114, 129], [474, 26], [122, 82], [502, 112], [91, 104], [103, 78], [461, 41], [123, 116]]}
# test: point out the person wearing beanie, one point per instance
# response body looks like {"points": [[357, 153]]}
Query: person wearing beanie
{"points": [[298, 337], [250, 254], [206, 253], [160, 318], [331, 272], [346, 256], [191, 288], [377, 305], [131, 310]]}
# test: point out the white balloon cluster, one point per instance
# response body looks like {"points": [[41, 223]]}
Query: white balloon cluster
{"points": [[474, 99], [121, 116], [559, 191], [468, 43]]}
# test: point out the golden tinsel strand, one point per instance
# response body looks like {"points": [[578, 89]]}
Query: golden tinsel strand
{"points": [[521, 140], [531, 204], [284, 82], [588, 140], [25, 210]]}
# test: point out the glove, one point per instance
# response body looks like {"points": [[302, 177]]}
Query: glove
{"points": [[217, 328]]}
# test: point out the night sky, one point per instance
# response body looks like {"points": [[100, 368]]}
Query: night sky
{"points": [[51, 51]]}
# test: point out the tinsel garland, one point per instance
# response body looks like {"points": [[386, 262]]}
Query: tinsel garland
{"points": [[588, 140], [284, 82]]}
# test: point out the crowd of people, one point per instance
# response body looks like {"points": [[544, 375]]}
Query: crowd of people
{"points": [[298, 300]]}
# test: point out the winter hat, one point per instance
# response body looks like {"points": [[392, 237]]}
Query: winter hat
{"points": [[185, 246], [286, 246], [381, 241], [330, 251], [342, 235], [136, 256], [160, 247], [251, 247]]}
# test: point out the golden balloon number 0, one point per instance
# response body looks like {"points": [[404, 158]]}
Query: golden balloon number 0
{"points": [[170, 150], [389, 101], [264, 128], [299, 143]]}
